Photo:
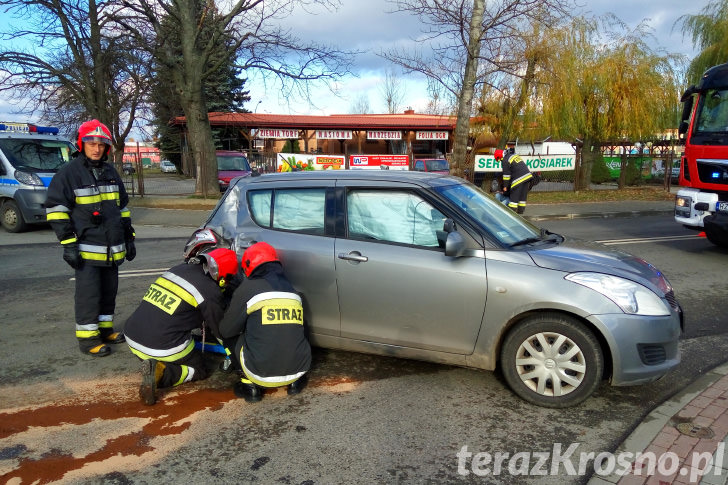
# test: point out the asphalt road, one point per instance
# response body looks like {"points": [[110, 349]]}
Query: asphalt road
{"points": [[363, 419]]}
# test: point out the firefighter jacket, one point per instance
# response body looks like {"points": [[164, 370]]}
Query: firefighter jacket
{"points": [[515, 171], [267, 313], [179, 301], [88, 206]]}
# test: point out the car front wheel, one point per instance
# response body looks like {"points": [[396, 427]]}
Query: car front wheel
{"points": [[552, 360], [11, 217]]}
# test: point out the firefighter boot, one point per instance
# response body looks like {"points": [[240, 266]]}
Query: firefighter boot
{"points": [[110, 337], [152, 371], [248, 391], [297, 386], [93, 346]]}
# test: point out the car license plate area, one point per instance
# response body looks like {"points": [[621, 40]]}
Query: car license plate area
{"points": [[722, 207]]}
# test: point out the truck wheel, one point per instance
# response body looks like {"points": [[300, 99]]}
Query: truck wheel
{"points": [[11, 217], [552, 360]]}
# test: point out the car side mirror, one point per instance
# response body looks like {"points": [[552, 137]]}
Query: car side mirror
{"points": [[454, 245]]}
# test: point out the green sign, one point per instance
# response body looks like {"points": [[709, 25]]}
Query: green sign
{"points": [[536, 163]]}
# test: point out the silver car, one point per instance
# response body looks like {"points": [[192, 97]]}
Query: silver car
{"points": [[429, 267]]}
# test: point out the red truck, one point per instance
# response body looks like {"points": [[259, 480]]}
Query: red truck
{"points": [[702, 201]]}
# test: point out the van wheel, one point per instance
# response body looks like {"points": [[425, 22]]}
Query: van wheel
{"points": [[11, 217], [552, 360]]}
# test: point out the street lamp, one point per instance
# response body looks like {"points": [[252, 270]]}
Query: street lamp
{"points": [[256, 106]]}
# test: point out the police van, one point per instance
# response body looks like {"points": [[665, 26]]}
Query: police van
{"points": [[29, 157]]}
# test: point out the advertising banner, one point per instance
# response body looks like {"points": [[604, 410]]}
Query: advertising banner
{"points": [[334, 134], [379, 162], [294, 162], [536, 163], [276, 133], [384, 135], [432, 135]]}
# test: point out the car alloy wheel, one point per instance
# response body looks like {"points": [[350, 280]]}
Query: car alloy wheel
{"points": [[552, 360]]}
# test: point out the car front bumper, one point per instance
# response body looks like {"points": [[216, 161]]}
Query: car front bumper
{"points": [[643, 349]]}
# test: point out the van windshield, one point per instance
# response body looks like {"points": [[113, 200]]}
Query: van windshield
{"points": [[233, 162], [36, 154]]}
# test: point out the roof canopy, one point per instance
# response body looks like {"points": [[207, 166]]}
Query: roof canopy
{"points": [[405, 121]]}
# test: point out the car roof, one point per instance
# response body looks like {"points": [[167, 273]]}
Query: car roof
{"points": [[370, 175]]}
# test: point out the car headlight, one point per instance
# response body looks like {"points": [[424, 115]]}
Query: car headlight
{"points": [[631, 297], [27, 178]]}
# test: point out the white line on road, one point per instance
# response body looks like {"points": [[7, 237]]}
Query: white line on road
{"points": [[611, 242], [131, 273]]}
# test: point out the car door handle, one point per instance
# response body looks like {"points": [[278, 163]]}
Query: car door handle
{"points": [[354, 256]]}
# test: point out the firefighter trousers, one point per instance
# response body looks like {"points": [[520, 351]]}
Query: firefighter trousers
{"points": [[95, 302]]}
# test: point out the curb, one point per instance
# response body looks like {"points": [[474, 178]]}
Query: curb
{"points": [[666, 415]]}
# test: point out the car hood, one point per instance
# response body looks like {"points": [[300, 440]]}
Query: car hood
{"points": [[574, 255], [231, 174]]}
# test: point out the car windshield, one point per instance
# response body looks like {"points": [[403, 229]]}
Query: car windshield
{"points": [[434, 165], [228, 162], [36, 155], [492, 216]]}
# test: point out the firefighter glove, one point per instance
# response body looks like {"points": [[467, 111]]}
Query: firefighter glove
{"points": [[130, 250], [71, 255]]}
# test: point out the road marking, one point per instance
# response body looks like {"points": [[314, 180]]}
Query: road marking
{"points": [[612, 242], [132, 273]]}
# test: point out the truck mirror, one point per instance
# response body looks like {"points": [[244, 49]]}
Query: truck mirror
{"points": [[683, 128]]}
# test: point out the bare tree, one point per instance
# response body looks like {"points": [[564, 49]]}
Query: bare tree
{"points": [[468, 42], [260, 43], [78, 68], [392, 90], [360, 105]]}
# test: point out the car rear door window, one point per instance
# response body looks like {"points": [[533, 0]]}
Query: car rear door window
{"points": [[300, 210], [393, 216]]}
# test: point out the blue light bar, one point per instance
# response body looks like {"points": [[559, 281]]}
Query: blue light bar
{"points": [[28, 128]]}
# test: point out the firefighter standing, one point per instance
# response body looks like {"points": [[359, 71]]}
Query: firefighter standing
{"points": [[87, 208], [515, 179], [183, 299], [263, 328]]}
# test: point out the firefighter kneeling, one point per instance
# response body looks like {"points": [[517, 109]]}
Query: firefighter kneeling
{"points": [[183, 299], [263, 328]]}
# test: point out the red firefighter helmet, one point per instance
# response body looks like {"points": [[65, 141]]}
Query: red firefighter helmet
{"points": [[498, 155], [256, 255], [94, 130], [220, 264]]}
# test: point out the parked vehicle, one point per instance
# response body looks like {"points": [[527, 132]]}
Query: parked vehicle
{"points": [[128, 168], [703, 203], [167, 167], [29, 157], [436, 165], [231, 164], [426, 266]]}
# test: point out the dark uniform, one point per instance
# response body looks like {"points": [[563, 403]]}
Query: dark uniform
{"points": [[87, 207], [515, 181], [264, 327], [178, 302]]}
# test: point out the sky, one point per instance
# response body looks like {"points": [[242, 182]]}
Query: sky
{"points": [[371, 27]]}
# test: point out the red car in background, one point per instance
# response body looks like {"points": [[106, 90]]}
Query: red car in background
{"points": [[434, 165], [231, 164]]}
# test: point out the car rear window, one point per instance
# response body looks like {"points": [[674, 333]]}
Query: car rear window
{"points": [[300, 210]]}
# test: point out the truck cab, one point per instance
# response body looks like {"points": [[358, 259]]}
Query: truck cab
{"points": [[702, 202], [29, 157]]}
